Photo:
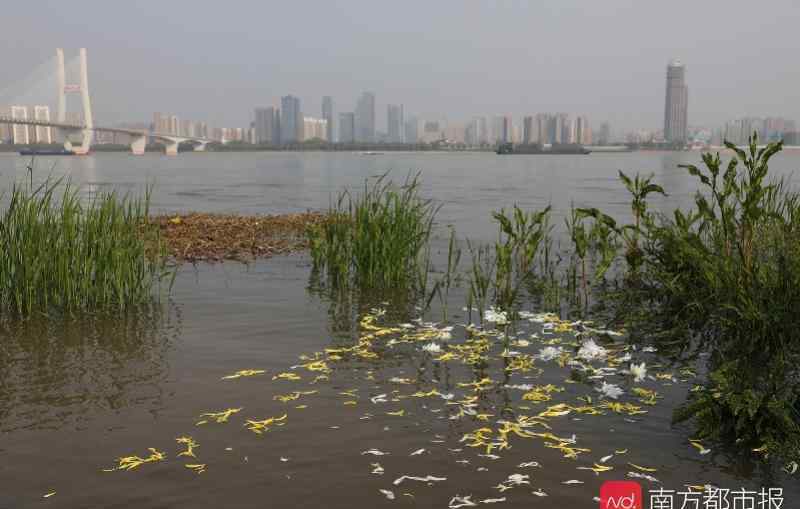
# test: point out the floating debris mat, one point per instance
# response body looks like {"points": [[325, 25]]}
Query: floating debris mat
{"points": [[216, 237]]}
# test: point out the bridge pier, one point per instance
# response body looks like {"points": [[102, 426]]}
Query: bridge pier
{"points": [[171, 147], [138, 144], [201, 146]]}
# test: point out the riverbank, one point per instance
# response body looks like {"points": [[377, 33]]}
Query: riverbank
{"points": [[195, 237]]}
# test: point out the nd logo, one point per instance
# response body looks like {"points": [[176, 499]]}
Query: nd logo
{"points": [[621, 495]]}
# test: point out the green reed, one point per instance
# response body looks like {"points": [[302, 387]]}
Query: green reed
{"points": [[64, 255], [376, 239]]}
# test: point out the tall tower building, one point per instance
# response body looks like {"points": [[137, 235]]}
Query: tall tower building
{"points": [[676, 103], [365, 118], [347, 127], [291, 120], [266, 126], [327, 115], [395, 124]]}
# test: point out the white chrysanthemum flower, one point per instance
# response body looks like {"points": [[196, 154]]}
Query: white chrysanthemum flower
{"points": [[495, 316], [432, 348], [591, 351], [551, 352], [639, 371], [610, 390]]}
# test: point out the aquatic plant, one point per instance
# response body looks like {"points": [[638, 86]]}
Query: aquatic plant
{"points": [[724, 278], [59, 253], [376, 239]]}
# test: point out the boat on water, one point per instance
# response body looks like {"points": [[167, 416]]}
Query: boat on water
{"points": [[371, 153], [538, 149], [46, 152]]}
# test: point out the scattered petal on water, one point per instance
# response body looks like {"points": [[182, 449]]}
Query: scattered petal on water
{"points": [[572, 481], [374, 452], [459, 501], [286, 376], [639, 372], [428, 478], [48, 495], [610, 390], [219, 417], [388, 494], [377, 469], [643, 469], [132, 462], [492, 500], [700, 447], [243, 373], [191, 445], [198, 468], [637, 475], [259, 427], [417, 452]]}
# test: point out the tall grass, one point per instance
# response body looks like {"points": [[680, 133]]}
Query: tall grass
{"points": [[376, 239], [59, 254]]}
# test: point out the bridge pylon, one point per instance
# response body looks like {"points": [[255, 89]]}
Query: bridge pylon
{"points": [[83, 89]]}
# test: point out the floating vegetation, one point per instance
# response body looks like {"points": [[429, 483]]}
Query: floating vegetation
{"points": [[64, 254], [205, 237]]}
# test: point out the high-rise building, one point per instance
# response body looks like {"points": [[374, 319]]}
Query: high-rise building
{"points": [[542, 129], [266, 125], [431, 131], [676, 104], [291, 119], [347, 127], [502, 129], [365, 118], [174, 125], [529, 134], [202, 130], [395, 124], [583, 133], [20, 134], [42, 134], [314, 128], [188, 128], [161, 123], [604, 137], [327, 114], [411, 128]]}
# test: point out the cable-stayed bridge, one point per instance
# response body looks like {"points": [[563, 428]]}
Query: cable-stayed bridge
{"points": [[86, 129]]}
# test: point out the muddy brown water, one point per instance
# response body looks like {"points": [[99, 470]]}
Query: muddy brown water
{"points": [[74, 396]]}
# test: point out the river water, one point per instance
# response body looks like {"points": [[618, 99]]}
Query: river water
{"points": [[75, 396]]}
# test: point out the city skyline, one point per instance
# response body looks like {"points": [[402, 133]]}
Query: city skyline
{"points": [[610, 69]]}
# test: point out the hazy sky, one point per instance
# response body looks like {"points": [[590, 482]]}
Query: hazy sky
{"points": [[215, 61]]}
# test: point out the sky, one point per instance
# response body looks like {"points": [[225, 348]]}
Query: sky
{"points": [[443, 59]]}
